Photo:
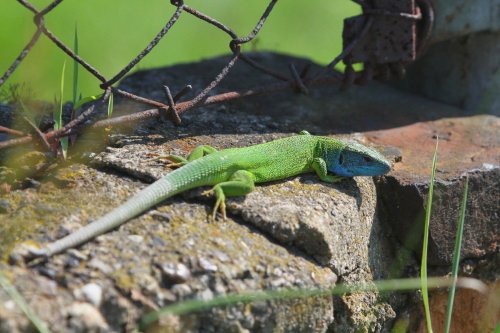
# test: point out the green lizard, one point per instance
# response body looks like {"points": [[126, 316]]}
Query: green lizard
{"points": [[233, 172]]}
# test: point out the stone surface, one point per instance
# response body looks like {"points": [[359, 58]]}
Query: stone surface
{"points": [[467, 147], [296, 233], [334, 224], [223, 258]]}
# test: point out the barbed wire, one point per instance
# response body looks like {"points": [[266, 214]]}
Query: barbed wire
{"points": [[173, 109]]}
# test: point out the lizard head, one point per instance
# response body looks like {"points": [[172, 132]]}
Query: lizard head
{"points": [[358, 160]]}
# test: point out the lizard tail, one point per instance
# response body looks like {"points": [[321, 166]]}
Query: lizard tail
{"points": [[143, 200]]}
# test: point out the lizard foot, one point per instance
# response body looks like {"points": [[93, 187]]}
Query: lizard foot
{"points": [[207, 193], [174, 165], [220, 203], [175, 161], [332, 179]]}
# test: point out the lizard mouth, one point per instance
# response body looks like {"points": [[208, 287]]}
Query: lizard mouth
{"points": [[375, 170]]}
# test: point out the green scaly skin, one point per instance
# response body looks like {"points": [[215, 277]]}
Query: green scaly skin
{"points": [[233, 172]]}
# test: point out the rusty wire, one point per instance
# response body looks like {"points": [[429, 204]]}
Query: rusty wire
{"points": [[172, 108]]}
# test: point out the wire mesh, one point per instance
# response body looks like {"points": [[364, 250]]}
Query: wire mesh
{"points": [[172, 108]]}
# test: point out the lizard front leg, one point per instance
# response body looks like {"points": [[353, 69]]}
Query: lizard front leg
{"points": [[240, 183], [319, 166], [198, 152]]}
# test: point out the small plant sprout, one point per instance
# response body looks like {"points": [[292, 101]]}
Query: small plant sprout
{"points": [[57, 115]]}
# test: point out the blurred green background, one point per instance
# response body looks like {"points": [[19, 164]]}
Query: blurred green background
{"points": [[111, 33]]}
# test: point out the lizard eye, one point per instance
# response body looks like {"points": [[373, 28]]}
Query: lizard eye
{"points": [[368, 159], [341, 159]]}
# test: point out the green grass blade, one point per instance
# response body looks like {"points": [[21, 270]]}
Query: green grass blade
{"points": [[423, 265], [87, 99], [380, 286], [456, 255], [75, 67], [497, 329], [21, 303], [110, 105], [64, 147], [58, 115]]}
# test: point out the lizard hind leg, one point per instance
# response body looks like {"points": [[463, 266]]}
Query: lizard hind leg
{"points": [[175, 161], [198, 152], [240, 183]]}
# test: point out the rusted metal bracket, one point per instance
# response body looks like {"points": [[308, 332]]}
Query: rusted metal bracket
{"points": [[387, 36]]}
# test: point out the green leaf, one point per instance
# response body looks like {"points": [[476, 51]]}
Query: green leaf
{"points": [[423, 265], [456, 255], [86, 100], [110, 105]]}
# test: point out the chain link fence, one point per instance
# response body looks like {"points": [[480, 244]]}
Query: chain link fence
{"points": [[356, 49]]}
